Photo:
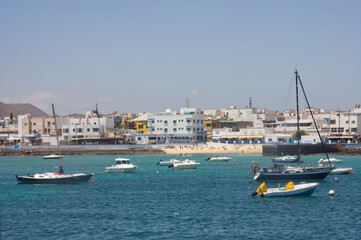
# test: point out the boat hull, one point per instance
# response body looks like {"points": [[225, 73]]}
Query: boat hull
{"points": [[218, 159], [299, 190], [339, 171], [72, 178], [185, 166], [120, 170], [299, 176], [53, 156]]}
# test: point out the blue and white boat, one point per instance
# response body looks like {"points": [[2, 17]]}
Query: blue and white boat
{"points": [[290, 190]]}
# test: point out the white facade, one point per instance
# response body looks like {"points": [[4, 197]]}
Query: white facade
{"points": [[181, 127], [86, 127], [345, 123]]}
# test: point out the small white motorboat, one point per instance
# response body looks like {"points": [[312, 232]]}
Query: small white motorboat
{"points": [[287, 159], [218, 159], [53, 156], [339, 171], [332, 160], [167, 163], [123, 165], [186, 164], [290, 190]]}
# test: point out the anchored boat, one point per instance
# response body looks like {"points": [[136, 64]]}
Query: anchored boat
{"points": [[281, 172], [123, 165], [186, 164], [59, 177], [290, 190]]}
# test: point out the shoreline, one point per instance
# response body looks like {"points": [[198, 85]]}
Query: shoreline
{"points": [[175, 149], [210, 148]]}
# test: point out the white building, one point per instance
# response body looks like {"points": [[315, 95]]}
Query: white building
{"points": [[88, 127], [244, 135], [345, 126], [185, 126]]}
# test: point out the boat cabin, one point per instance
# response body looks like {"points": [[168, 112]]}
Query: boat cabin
{"points": [[122, 161]]}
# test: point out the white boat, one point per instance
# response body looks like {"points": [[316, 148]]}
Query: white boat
{"points": [[290, 190], [186, 164], [53, 156], [122, 165], [332, 160], [339, 171], [167, 163], [287, 159], [218, 159]]}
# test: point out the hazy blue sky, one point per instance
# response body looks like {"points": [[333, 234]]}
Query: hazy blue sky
{"points": [[139, 56]]}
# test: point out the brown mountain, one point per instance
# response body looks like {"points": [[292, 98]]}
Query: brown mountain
{"points": [[20, 109]]}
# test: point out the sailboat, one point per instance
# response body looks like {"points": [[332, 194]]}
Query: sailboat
{"points": [[59, 177], [281, 172]]}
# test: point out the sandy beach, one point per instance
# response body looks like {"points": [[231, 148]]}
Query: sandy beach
{"points": [[213, 148]]}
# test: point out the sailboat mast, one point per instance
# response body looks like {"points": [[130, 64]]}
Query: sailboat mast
{"points": [[314, 121], [298, 118], [57, 138]]}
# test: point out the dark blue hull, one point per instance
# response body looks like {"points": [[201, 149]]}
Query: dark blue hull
{"points": [[299, 176], [66, 180]]}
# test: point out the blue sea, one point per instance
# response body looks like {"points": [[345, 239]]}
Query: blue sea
{"points": [[211, 202]]}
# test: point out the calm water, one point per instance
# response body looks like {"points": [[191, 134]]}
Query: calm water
{"points": [[211, 202]]}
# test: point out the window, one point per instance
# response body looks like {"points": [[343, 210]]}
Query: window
{"points": [[79, 130], [95, 129], [65, 130], [73, 129], [174, 129], [88, 130], [140, 126], [208, 124], [332, 121], [165, 130]]}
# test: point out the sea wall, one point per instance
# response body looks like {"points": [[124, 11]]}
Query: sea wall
{"points": [[306, 149], [43, 151]]}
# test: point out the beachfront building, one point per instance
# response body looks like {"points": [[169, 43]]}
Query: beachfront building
{"points": [[186, 126], [345, 126], [244, 135], [211, 124], [39, 130], [86, 129], [141, 123]]}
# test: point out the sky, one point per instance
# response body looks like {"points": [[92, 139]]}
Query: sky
{"points": [[144, 56]]}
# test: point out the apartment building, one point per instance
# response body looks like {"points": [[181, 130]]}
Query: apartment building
{"points": [[185, 126], [88, 127]]}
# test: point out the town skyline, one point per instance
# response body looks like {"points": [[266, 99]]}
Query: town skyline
{"points": [[147, 56]]}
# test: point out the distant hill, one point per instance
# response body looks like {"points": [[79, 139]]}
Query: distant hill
{"points": [[20, 109]]}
